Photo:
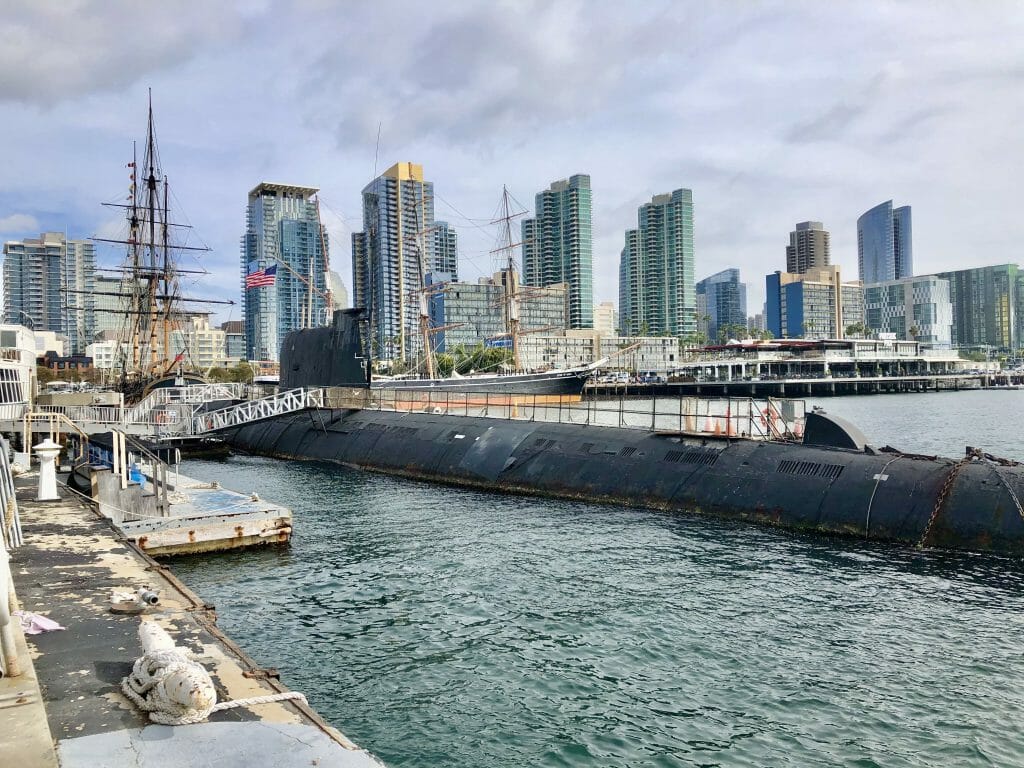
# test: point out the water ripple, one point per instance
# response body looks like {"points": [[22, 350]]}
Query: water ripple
{"points": [[444, 627]]}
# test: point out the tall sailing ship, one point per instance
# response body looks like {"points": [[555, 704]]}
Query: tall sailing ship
{"points": [[152, 349]]}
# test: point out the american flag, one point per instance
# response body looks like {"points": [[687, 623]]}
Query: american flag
{"points": [[261, 278]]}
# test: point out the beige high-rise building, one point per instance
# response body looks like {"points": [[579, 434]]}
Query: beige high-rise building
{"points": [[606, 319], [808, 248]]}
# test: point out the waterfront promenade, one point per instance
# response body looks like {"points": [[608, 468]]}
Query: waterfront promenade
{"points": [[68, 705], [809, 386]]}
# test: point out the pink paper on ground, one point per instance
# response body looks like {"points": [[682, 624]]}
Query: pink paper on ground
{"points": [[34, 624]]}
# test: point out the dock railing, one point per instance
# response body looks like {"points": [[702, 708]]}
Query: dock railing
{"points": [[10, 523], [165, 411], [751, 418]]}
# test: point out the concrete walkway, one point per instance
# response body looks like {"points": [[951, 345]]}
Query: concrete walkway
{"points": [[68, 569]]}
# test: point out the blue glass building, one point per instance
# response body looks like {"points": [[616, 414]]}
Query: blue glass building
{"points": [[725, 301], [885, 244], [282, 229]]}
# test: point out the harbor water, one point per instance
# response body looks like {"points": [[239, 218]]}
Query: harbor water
{"points": [[443, 627]]}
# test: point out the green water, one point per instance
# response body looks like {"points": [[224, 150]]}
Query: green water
{"points": [[444, 627]]}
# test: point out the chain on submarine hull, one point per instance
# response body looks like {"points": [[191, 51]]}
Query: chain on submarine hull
{"points": [[832, 483]]}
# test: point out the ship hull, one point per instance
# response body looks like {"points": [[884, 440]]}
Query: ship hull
{"points": [[832, 491]]}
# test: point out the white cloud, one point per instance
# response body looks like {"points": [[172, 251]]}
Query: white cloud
{"points": [[772, 113], [19, 224]]}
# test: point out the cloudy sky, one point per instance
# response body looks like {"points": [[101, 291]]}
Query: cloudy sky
{"points": [[771, 112]]}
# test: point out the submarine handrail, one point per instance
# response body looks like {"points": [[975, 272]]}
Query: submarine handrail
{"points": [[746, 417], [277, 404]]}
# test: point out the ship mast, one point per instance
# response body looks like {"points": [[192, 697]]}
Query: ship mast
{"points": [[134, 238], [153, 261], [149, 274], [327, 268], [506, 253], [424, 311]]}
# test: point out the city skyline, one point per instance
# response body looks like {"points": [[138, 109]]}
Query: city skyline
{"points": [[872, 114]]}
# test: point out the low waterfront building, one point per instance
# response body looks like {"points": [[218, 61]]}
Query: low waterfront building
{"points": [[48, 341], [193, 341], [201, 345], [65, 363], [813, 305], [107, 353], [914, 308], [652, 355], [822, 358]]}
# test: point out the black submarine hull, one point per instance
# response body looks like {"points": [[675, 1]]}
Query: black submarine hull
{"points": [[891, 496]]}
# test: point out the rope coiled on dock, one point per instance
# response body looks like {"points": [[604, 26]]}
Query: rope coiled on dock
{"points": [[175, 689]]}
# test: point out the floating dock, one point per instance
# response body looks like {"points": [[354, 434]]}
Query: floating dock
{"points": [[203, 517], [166, 513], [68, 703]]}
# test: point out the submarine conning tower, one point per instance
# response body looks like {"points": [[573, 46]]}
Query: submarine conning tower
{"points": [[327, 357], [832, 483]]}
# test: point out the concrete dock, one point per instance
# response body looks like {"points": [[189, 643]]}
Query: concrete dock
{"points": [[68, 705]]}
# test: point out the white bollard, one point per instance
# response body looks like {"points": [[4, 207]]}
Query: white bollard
{"points": [[47, 451]]}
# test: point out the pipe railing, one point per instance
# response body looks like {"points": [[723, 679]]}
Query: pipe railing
{"points": [[752, 418]]}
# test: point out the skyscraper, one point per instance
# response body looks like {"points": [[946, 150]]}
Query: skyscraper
{"points": [[808, 248], [885, 244], [725, 301], [49, 285], [988, 306], [284, 262], [558, 245], [446, 250], [398, 216], [656, 290]]}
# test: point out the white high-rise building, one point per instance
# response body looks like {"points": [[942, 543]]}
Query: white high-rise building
{"points": [[49, 286]]}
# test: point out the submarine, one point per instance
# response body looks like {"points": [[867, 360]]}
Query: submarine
{"points": [[829, 481]]}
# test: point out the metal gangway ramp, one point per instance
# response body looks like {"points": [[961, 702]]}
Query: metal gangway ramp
{"points": [[289, 401]]}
